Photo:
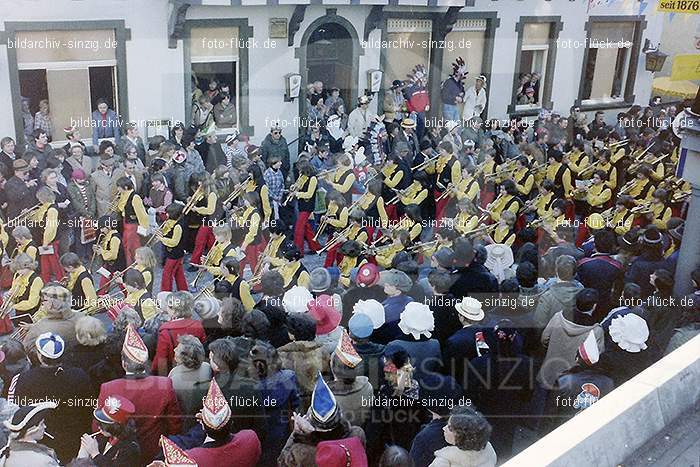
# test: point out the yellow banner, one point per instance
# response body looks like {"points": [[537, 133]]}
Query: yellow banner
{"points": [[679, 6], [685, 67]]}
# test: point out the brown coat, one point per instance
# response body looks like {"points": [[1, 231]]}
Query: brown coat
{"points": [[306, 359], [300, 451]]}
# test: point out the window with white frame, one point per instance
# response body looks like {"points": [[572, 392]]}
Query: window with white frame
{"points": [[608, 62], [71, 70], [533, 65], [214, 58]]}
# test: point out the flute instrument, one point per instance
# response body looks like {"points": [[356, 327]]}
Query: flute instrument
{"points": [[642, 208], [8, 299], [118, 274], [423, 245], [627, 186], [591, 168], [482, 230], [636, 165]]}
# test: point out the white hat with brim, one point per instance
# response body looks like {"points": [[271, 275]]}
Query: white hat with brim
{"points": [[630, 332], [470, 308], [416, 319]]}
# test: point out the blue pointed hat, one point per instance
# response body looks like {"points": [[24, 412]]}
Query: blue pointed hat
{"points": [[323, 404]]}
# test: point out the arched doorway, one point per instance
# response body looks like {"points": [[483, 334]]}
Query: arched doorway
{"points": [[329, 58], [329, 52]]}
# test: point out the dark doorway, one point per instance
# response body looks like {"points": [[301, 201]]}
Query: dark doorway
{"points": [[329, 59]]}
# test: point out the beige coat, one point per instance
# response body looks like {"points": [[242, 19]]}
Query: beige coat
{"points": [[24, 454], [452, 456], [63, 325], [561, 338]]}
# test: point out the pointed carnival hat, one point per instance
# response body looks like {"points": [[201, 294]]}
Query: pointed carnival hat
{"points": [[588, 350], [134, 349], [173, 455], [215, 412], [324, 408], [346, 352]]}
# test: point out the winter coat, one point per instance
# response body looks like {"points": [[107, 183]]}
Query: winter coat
{"points": [[452, 456], [306, 359], [621, 365], [24, 454], [640, 270], [125, 452], [167, 341], [178, 178], [353, 398], [330, 341], [429, 439], [245, 400], [191, 386], [104, 190], [156, 404], [76, 200], [62, 384], [560, 296], [561, 338], [354, 295], [283, 390], [600, 272], [472, 281], [85, 356], [225, 116], [358, 121], [279, 148], [426, 356], [300, 450], [63, 325]]}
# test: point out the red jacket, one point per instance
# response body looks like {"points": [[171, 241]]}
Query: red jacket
{"points": [[157, 409], [167, 341], [242, 451]]}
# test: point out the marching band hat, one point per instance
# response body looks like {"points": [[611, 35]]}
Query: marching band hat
{"points": [[114, 409]]}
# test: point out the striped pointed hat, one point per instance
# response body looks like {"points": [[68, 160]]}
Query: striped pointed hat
{"points": [[134, 349], [215, 412], [173, 455], [346, 351]]}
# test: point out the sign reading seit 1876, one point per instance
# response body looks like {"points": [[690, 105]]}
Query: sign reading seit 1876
{"points": [[679, 6]]}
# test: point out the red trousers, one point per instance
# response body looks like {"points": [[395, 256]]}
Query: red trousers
{"points": [[173, 270], [203, 241], [440, 205], [332, 256], [49, 265], [392, 212], [252, 255], [303, 231], [131, 241]]}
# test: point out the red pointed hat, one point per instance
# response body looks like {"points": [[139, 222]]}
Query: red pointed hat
{"points": [[324, 312], [215, 412], [115, 409], [346, 351], [173, 455], [134, 349]]}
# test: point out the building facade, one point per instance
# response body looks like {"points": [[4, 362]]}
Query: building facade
{"points": [[146, 56]]}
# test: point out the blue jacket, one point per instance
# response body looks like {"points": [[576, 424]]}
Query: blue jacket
{"points": [[389, 331], [428, 440], [111, 127], [600, 272], [425, 355]]}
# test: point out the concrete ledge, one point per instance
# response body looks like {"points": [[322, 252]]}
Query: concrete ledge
{"points": [[618, 424]]}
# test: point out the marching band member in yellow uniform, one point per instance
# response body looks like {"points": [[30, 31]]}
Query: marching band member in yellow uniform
{"points": [[222, 249], [448, 172], [304, 190], [110, 250], [146, 262], [351, 251], [660, 211], [505, 230], [201, 216], [598, 193], [467, 218], [468, 187], [25, 292], [343, 177], [576, 160], [657, 168], [4, 238], [134, 216], [609, 169], [137, 296], [230, 271], [372, 203], [523, 178], [560, 174], [443, 239], [79, 283], [643, 187], [412, 222], [336, 217], [171, 236], [24, 242], [542, 203], [250, 221], [507, 201], [384, 255], [256, 182], [293, 271], [46, 220], [623, 217], [274, 247], [414, 195]]}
